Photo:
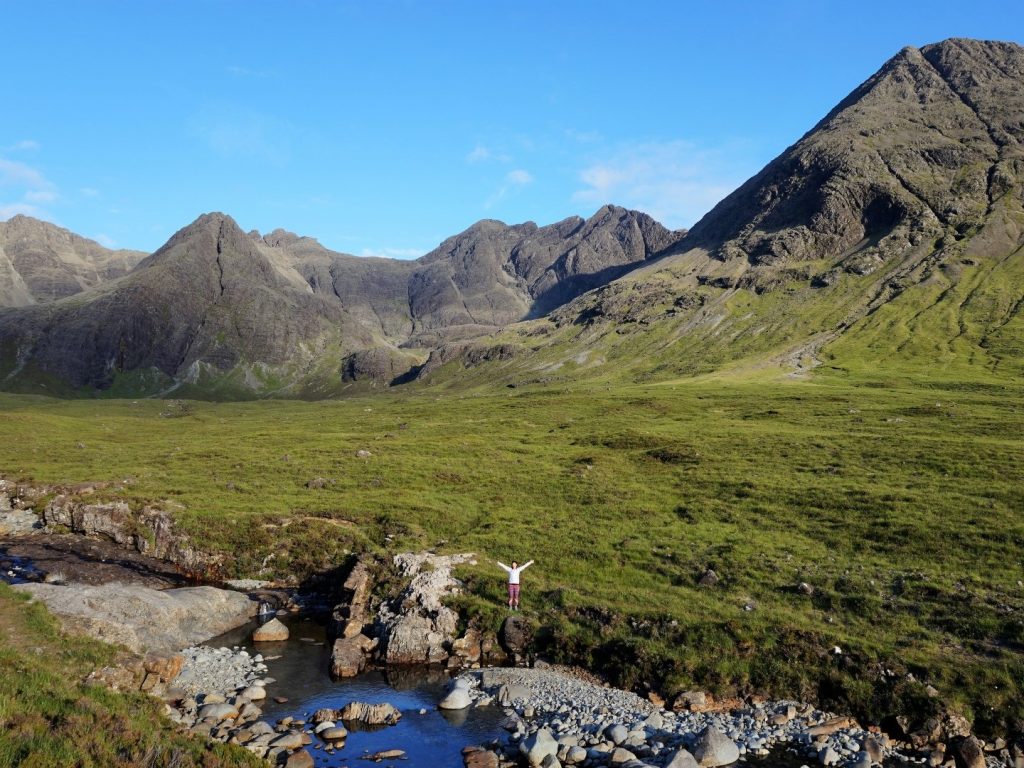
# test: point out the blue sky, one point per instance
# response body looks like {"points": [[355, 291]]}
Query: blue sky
{"points": [[383, 127]]}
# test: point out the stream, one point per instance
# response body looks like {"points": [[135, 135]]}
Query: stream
{"points": [[435, 738]]}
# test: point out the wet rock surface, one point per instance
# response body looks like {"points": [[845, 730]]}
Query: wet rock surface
{"points": [[144, 619], [416, 627], [82, 560]]}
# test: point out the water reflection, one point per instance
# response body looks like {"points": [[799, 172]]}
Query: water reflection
{"points": [[299, 667]]}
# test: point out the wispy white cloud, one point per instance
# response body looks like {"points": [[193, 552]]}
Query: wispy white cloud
{"points": [[676, 182], [235, 131], [24, 189], [514, 180], [519, 177], [7, 210], [583, 137], [484, 154], [25, 145], [478, 154], [14, 173], [89, 192], [41, 195], [105, 240], [393, 253]]}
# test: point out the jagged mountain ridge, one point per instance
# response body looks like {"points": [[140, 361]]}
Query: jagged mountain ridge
{"points": [[216, 309], [41, 262], [892, 230], [488, 276], [195, 309]]}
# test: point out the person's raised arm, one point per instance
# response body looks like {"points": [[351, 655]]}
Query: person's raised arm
{"points": [[526, 565], [501, 564]]}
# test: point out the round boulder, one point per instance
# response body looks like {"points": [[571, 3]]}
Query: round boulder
{"points": [[218, 712], [254, 693], [290, 740], [537, 747], [457, 698], [271, 632], [515, 637], [616, 734], [714, 748], [336, 733]]}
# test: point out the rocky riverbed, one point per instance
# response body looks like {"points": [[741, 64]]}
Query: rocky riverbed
{"points": [[554, 718], [113, 588]]}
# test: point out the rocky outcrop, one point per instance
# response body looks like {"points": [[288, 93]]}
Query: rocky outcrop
{"points": [[416, 627], [144, 619], [371, 714], [41, 262], [352, 615], [349, 655], [515, 637], [150, 532], [15, 519]]}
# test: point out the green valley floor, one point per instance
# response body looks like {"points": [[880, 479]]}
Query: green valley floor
{"points": [[900, 506]]}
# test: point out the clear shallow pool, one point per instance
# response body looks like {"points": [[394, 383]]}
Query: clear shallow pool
{"points": [[432, 739]]}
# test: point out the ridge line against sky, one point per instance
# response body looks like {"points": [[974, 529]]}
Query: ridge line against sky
{"points": [[381, 128]]}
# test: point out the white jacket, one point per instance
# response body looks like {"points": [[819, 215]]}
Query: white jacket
{"points": [[513, 573]]}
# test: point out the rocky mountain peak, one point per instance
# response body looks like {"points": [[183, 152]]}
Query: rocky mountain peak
{"points": [[282, 238], [909, 154], [42, 262]]}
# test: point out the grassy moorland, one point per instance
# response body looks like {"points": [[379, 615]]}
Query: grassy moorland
{"points": [[900, 503], [49, 718]]}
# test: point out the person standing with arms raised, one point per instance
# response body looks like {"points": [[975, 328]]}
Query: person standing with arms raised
{"points": [[513, 581]]}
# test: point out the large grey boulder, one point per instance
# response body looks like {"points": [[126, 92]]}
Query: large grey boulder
{"points": [[417, 627], [538, 746], [348, 656], [457, 698], [515, 637], [510, 693], [616, 734], [352, 614], [967, 752], [144, 619], [714, 748]]}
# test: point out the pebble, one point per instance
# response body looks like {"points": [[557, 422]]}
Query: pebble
{"points": [[591, 722], [218, 669]]}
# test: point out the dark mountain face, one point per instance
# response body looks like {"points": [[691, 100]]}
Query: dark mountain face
{"points": [[488, 276], [921, 150], [202, 305], [499, 274], [40, 262], [894, 228], [239, 314], [900, 214]]}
